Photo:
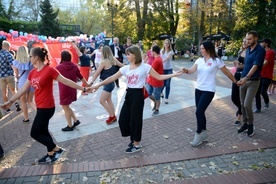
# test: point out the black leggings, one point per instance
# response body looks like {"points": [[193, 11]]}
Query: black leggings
{"points": [[235, 95], [40, 131], [131, 116], [203, 100]]}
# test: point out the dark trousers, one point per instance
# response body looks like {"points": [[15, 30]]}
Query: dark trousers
{"points": [[117, 69], [262, 90], [40, 131], [235, 95], [131, 116], [203, 100], [1, 150]]}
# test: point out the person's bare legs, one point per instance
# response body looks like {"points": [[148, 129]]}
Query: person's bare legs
{"points": [[24, 106], [105, 101], [69, 114]]}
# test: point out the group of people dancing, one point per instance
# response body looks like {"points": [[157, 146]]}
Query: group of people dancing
{"points": [[150, 71]]}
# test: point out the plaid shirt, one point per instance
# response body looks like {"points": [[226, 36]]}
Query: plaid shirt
{"points": [[5, 64]]}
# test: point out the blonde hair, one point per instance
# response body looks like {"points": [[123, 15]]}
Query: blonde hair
{"points": [[107, 55], [6, 44], [22, 55], [170, 47]]}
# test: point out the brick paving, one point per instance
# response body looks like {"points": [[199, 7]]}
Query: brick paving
{"points": [[166, 153]]}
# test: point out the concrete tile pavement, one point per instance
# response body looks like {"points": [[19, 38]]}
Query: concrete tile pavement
{"points": [[165, 135]]}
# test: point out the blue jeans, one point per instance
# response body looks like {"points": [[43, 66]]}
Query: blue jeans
{"points": [[167, 83], [155, 91], [203, 100]]}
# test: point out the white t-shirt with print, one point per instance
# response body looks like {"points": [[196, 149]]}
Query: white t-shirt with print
{"points": [[98, 56], [206, 73], [168, 64], [136, 78]]}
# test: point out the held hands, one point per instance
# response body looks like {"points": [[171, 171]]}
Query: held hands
{"points": [[241, 81], [6, 105], [178, 73], [185, 70], [95, 88]]}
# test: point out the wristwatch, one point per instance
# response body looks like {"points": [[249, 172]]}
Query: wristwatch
{"points": [[84, 90], [247, 77]]}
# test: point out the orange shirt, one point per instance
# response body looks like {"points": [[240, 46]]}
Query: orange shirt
{"points": [[42, 82]]}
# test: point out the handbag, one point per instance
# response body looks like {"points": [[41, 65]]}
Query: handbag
{"points": [[145, 92]]}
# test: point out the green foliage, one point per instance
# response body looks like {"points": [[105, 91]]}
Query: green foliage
{"points": [[49, 25], [29, 27], [256, 15], [233, 48], [3, 13]]}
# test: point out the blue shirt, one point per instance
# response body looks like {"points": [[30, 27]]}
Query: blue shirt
{"points": [[5, 64], [254, 57]]}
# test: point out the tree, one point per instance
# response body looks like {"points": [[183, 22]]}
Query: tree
{"points": [[31, 10], [3, 13], [12, 12], [256, 15], [49, 24]]}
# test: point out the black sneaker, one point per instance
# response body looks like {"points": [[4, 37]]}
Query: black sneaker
{"points": [[155, 112], [8, 110], [76, 123], [17, 107], [59, 153], [66, 129], [237, 123], [250, 131], [48, 159], [243, 128], [131, 144], [133, 149]]}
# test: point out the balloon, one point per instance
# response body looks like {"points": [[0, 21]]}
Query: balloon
{"points": [[25, 34], [11, 31], [9, 35], [20, 33]]}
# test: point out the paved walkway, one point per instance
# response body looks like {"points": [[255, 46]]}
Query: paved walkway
{"points": [[95, 151]]}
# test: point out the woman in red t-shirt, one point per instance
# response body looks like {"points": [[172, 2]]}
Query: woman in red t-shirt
{"points": [[41, 79]]}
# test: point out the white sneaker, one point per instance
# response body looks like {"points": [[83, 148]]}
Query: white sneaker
{"points": [[166, 101], [197, 140], [204, 135]]}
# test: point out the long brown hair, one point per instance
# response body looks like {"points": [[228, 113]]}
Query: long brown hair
{"points": [[135, 51], [210, 49], [41, 53]]}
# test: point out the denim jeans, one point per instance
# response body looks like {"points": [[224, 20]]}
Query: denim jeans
{"points": [[247, 94], [203, 100], [167, 83]]}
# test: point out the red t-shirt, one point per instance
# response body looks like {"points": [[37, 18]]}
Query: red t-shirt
{"points": [[157, 65], [42, 82], [267, 70]]}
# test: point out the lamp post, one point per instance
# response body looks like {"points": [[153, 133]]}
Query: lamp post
{"points": [[112, 8]]}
